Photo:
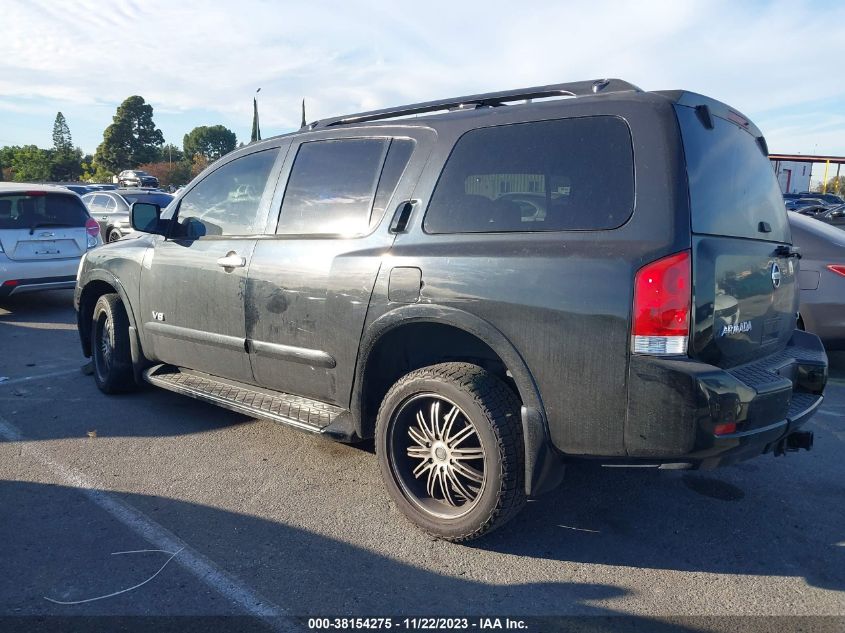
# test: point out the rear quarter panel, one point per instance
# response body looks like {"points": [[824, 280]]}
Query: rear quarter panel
{"points": [[563, 299]]}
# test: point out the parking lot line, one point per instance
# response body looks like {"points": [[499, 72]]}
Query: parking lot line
{"points": [[189, 559], [52, 374]]}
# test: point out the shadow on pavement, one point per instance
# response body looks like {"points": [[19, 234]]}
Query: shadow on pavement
{"points": [[56, 542], [754, 518]]}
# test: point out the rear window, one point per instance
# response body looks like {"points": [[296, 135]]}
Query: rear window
{"points": [[732, 185], [161, 199], [562, 175], [35, 209]]}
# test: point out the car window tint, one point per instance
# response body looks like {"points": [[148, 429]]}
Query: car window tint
{"points": [[27, 210], [569, 174], [332, 186], [732, 187], [161, 199], [227, 201]]}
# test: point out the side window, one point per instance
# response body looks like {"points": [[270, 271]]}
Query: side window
{"points": [[90, 202], [109, 203], [227, 201], [562, 175], [394, 166], [341, 187]]}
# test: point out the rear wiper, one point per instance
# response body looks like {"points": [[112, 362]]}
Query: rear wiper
{"points": [[43, 225]]}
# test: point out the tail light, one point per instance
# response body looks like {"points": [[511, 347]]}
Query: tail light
{"points": [[839, 269], [662, 306], [91, 227]]}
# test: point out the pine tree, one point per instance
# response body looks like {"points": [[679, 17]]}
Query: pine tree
{"points": [[65, 160], [132, 138], [62, 140]]}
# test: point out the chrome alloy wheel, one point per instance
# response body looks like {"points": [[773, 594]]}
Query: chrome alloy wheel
{"points": [[105, 348], [437, 456]]}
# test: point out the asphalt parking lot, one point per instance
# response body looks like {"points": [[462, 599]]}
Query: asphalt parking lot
{"points": [[212, 513]]}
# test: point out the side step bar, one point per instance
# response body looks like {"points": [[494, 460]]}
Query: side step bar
{"points": [[302, 413]]}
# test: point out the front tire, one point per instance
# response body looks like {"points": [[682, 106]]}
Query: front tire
{"points": [[110, 346], [450, 450]]}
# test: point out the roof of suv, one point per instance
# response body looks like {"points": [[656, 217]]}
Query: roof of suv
{"points": [[494, 103]]}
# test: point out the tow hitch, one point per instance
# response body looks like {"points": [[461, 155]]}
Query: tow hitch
{"points": [[795, 442]]}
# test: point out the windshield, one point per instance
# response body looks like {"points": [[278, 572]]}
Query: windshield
{"points": [[732, 187], [26, 210]]}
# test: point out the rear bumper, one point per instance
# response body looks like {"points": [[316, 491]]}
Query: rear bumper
{"points": [[36, 275], [674, 406]]}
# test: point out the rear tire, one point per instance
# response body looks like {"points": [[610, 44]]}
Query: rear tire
{"points": [[110, 346], [450, 449]]}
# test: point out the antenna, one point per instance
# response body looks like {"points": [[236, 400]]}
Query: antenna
{"points": [[304, 124]]}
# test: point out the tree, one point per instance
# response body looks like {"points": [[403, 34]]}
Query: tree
{"points": [[199, 163], [170, 153], [256, 129], [176, 173], [211, 142], [834, 185], [66, 160], [132, 138], [62, 140], [31, 164]]}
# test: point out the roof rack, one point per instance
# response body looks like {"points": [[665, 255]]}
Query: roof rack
{"points": [[489, 99]]}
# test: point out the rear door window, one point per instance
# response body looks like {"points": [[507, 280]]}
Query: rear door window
{"points": [[732, 186], [561, 175], [342, 187]]}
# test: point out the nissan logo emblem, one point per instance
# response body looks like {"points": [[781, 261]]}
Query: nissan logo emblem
{"points": [[775, 275]]}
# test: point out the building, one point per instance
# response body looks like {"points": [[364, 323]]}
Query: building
{"points": [[792, 176]]}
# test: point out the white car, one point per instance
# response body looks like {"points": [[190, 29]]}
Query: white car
{"points": [[44, 232]]}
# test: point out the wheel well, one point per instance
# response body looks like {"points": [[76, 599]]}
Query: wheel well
{"points": [[92, 291], [414, 345]]}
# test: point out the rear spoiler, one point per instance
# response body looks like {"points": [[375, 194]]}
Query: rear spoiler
{"points": [[706, 107]]}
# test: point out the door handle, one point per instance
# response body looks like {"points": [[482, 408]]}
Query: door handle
{"points": [[232, 260], [402, 215]]}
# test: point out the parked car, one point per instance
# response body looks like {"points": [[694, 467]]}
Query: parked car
{"points": [[811, 210], [79, 190], [136, 178], [805, 203], [102, 187], [111, 208], [822, 279], [383, 282], [834, 216], [827, 198], [44, 230]]}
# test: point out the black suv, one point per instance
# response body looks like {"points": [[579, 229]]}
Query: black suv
{"points": [[506, 282], [136, 178]]}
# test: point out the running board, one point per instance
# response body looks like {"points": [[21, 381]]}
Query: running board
{"points": [[302, 413]]}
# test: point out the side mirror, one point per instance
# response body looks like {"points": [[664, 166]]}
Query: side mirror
{"points": [[144, 216]]}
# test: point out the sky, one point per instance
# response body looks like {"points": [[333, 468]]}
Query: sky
{"points": [[200, 63]]}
